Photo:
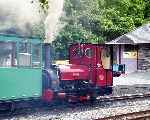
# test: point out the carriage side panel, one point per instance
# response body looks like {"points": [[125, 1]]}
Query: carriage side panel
{"points": [[20, 83]]}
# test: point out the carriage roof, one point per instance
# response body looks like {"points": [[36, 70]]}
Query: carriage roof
{"points": [[15, 38]]}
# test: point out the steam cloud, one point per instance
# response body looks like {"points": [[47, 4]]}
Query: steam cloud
{"points": [[18, 16], [52, 24]]}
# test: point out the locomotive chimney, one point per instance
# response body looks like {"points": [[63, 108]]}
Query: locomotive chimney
{"points": [[47, 56]]}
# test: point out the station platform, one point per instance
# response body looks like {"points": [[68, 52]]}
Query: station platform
{"points": [[132, 83], [132, 78]]}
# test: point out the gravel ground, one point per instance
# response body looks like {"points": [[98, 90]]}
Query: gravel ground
{"points": [[88, 113]]}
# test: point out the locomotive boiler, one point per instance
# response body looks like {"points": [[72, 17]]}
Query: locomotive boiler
{"points": [[26, 75]]}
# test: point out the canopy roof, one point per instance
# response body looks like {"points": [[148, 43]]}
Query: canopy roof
{"points": [[137, 36]]}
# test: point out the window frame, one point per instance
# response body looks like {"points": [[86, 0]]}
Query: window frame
{"points": [[18, 47], [87, 54], [12, 65], [78, 52], [40, 54]]}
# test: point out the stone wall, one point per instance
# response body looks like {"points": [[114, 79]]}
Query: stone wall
{"points": [[144, 57]]}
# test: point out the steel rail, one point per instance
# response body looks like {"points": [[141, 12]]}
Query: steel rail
{"points": [[141, 115], [125, 97]]}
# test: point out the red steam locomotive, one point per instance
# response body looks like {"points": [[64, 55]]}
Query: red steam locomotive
{"points": [[88, 74]]}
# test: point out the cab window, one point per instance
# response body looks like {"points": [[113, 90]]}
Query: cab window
{"points": [[105, 57], [89, 52], [77, 52]]}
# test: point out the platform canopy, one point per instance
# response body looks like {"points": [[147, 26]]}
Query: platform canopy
{"points": [[138, 36]]}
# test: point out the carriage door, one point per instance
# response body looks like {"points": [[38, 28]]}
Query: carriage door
{"points": [[106, 57]]}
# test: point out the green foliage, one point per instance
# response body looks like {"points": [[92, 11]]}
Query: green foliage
{"points": [[38, 30], [121, 16], [44, 5], [96, 21], [81, 25]]}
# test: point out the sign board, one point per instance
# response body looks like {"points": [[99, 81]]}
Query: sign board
{"points": [[132, 55]]}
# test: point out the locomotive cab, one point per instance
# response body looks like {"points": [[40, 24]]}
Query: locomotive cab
{"points": [[98, 60]]}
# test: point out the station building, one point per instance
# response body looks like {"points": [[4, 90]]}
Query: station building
{"points": [[133, 49]]}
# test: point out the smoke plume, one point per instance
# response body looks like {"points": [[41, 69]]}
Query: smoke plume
{"points": [[52, 23], [19, 16]]}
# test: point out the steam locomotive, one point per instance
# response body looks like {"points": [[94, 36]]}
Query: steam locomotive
{"points": [[26, 75]]}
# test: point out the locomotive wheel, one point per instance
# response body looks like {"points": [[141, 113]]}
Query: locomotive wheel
{"points": [[7, 108], [4, 107], [12, 107], [93, 97], [48, 95], [73, 99], [85, 98], [109, 90]]}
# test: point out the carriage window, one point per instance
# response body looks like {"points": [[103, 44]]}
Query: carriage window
{"points": [[8, 54], [77, 52], [36, 55], [89, 52], [24, 54]]}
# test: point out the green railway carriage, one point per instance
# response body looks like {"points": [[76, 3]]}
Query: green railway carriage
{"points": [[20, 68]]}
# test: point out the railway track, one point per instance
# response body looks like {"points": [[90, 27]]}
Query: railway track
{"points": [[141, 115], [125, 97], [84, 106]]}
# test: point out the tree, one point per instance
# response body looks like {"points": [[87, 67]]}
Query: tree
{"points": [[97, 21], [81, 25], [44, 5], [120, 16], [38, 30], [147, 12]]}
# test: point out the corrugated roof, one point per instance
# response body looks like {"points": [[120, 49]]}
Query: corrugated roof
{"points": [[139, 35]]}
